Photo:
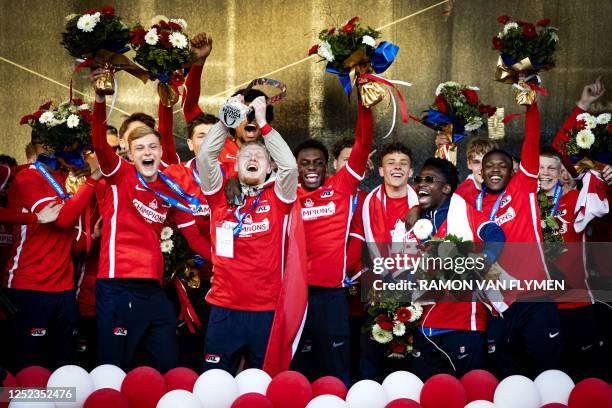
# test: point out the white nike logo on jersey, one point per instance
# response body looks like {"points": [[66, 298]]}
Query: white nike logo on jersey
{"points": [[462, 356], [334, 344], [227, 156], [553, 335], [585, 348], [140, 188]]}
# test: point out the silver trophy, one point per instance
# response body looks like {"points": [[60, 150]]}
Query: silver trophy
{"points": [[233, 113]]}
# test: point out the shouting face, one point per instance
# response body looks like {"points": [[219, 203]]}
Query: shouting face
{"points": [[312, 168], [496, 171], [253, 164], [432, 188], [146, 154]]}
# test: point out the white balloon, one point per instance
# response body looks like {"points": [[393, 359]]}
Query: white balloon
{"points": [[480, 404], [403, 384], [41, 404], [253, 380], [366, 394], [327, 401], [216, 389], [107, 376], [516, 391], [72, 376], [179, 398], [554, 386]]}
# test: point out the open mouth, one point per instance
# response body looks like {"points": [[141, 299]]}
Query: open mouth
{"points": [[252, 167], [312, 178], [424, 196], [545, 179], [148, 163], [495, 179], [397, 174]]}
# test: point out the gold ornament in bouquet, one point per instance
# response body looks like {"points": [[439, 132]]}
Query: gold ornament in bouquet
{"points": [[353, 55], [455, 112], [163, 50], [496, 125], [99, 39], [525, 49]]}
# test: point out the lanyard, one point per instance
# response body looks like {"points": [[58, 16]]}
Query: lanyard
{"points": [[556, 198], [354, 203], [495, 207], [51, 180], [240, 216], [171, 200], [196, 175]]}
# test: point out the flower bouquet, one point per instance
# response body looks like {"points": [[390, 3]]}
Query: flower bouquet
{"points": [[163, 50], [351, 53], [100, 38], [455, 111], [525, 50], [393, 323], [590, 142], [64, 130]]}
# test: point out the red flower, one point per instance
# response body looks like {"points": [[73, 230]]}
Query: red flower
{"points": [[487, 110], [45, 106], [164, 24], [108, 11], [543, 22], [441, 104], [331, 31], [37, 114], [175, 26], [313, 49], [353, 20], [398, 347], [350, 26], [470, 96], [137, 36], [177, 79], [26, 119], [86, 114], [77, 101], [609, 127], [403, 314], [529, 30], [497, 43], [90, 11], [164, 39], [385, 322], [503, 19]]}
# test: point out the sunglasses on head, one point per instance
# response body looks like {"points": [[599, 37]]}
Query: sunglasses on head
{"points": [[425, 179]]}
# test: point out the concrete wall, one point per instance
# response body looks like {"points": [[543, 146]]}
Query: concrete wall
{"points": [[252, 38]]}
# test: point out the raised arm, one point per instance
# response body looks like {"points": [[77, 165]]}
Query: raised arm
{"points": [[201, 46], [287, 173], [108, 159], [164, 128], [208, 159], [75, 206], [358, 158], [530, 152]]}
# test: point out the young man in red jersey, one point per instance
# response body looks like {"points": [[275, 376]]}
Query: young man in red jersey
{"points": [[39, 277], [581, 353], [452, 332], [328, 205], [131, 307], [524, 332], [248, 242], [476, 149]]}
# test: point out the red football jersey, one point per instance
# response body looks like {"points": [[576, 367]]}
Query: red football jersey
{"points": [[251, 279], [468, 188], [40, 257], [227, 158]]}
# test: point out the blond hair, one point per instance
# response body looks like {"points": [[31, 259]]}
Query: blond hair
{"points": [[479, 146], [140, 132]]}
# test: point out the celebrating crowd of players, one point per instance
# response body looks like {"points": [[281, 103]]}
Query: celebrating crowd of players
{"points": [[92, 261]]}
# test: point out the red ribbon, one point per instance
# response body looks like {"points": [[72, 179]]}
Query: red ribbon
{"points": [[84, 64], [399, 95], [187, 311], [538, 88]]}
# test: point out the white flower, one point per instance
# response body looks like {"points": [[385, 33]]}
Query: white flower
{"points": [[509, 27], [422, 229], [416, 310], [585, 139], [325, 51], [83, 107], [46, 117], [86, 23], [452, 84], [180, 22], [71, 16], [603, 119], [96, 17], [166, 246], [588, 119], [158, 18], [399, 328], [178, 40], [473, 124], [473, 88], [151, 37], [72, 121], [543, 224], [439, 89], [368, 40], [166, 233], [380, 335]]}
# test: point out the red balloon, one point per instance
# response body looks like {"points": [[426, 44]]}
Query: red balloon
{"points": [[106, 397], [252, 400], [143, 387], [590, 393], [554, 405], [479, 385], [33, 376], [443, 391], [329, 385], [180, 378], [403, 403], [289, 389]]}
